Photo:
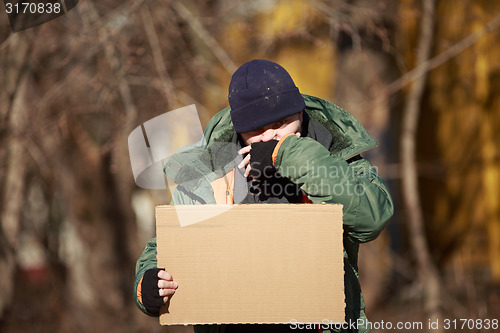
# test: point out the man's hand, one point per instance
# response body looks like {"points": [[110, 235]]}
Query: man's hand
{"points": [[166, 284], [246, 161], [157, 287]]}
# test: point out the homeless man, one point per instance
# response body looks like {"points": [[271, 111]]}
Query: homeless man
{"points": [[282, 138]]}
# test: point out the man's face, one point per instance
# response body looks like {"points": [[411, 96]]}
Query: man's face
{"points": [[275, 131]]}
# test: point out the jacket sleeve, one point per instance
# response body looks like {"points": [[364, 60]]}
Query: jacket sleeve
{"points": [[148, 259], [367, 205]]}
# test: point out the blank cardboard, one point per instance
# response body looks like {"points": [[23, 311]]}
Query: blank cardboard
{"points": [[262, 263]]}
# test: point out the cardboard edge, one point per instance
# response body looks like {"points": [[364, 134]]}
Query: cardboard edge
{"points": [[164, 311]]}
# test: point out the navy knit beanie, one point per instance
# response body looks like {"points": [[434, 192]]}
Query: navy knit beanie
{"points": [[260, 93]]}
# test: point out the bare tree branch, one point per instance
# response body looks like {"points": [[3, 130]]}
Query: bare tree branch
{"points": [[443, 57], [207, 38], [16, 59], [6, 42], [13, 189], [155, 83], [426, 269], [115, 64], [341, 17], [161, 68]]}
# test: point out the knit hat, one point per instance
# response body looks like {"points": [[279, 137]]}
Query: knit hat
{"points": [[260, 93]]}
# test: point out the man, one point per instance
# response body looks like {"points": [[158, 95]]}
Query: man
{"points": [[293, 148]]}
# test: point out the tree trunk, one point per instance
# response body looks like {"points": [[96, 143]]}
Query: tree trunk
{"points": [[426, 269], [12, 182], [13, 198]]}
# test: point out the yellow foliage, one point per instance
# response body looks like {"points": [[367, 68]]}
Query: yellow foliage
{"points": [[288, 18], [236, 36], [494, 240], [310, 59], [465, 101], [406, 39], [482, 66], [491, 181], [312, 69], [451, 21]]}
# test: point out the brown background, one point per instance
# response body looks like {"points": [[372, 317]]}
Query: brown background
{"points": [[73, 222]]}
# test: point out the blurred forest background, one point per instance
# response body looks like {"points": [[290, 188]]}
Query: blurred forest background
{"points": [[422, 76]]}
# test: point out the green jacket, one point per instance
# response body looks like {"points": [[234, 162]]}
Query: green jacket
{"points": [[325, 175]]}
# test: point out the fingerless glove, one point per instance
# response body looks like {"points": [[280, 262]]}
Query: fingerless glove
{"points": [[150, 292], [261, 160]]}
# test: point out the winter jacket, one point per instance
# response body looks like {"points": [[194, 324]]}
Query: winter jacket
{"points": [[331, 172]]}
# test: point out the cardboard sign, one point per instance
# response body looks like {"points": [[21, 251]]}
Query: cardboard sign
{"points": [[262, 263]]}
